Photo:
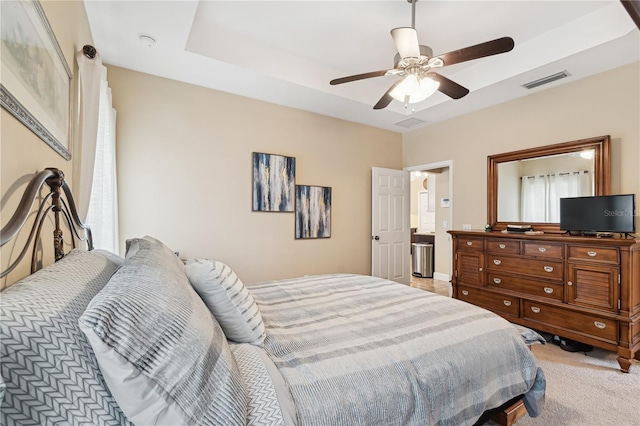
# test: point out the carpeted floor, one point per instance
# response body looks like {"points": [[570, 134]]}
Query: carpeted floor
{"points": [[586, 389]]}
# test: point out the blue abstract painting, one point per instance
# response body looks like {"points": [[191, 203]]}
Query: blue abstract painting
{"points": [[313, 211], [273, 183]]}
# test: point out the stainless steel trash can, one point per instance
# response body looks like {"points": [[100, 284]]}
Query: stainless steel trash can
{"points": [[422, 260]]}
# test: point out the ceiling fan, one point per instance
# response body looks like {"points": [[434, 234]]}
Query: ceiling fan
{"points": [[415, 63]]}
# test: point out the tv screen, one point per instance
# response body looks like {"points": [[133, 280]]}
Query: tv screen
{"points": [[607, 213]]}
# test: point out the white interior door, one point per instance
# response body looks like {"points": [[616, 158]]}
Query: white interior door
{"points": [[390, 233]]}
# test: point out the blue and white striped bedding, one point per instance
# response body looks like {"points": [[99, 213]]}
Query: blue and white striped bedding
{"points": [[358, 350]]}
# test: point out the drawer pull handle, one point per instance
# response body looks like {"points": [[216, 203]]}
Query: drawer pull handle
{"points": [[506, 302], [548, 290], [592, 253], [497, 262], [497, 280], [569, 283], [469, 243], [480, 269], [542, 249], [548, 268], [535, 309], [502, 246], [599, 324], [465, 292]]}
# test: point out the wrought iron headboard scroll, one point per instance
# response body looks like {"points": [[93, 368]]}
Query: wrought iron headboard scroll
{"points": [[63, 212]]}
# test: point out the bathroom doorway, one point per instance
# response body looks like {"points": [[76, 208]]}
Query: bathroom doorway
{"points": [[431, 209]]}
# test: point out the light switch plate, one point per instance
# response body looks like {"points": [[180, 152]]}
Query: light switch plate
{"points": [[444, 223]]}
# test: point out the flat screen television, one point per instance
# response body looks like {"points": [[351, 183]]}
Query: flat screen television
{"points": [[606, 213]]}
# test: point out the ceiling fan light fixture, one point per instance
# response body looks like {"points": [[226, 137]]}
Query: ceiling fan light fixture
{"points": [[407, 87], [414, 89]]}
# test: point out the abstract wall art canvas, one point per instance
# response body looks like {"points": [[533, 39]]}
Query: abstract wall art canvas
{"points": [[313, 211], [273, 183]]}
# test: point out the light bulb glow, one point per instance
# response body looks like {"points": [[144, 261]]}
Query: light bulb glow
{"points": [[416, 90], [588, 154], [427, 88]]}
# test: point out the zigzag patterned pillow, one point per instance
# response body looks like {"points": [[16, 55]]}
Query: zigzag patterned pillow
{"points": [[228, 299], [50, 372], [162, 353]]}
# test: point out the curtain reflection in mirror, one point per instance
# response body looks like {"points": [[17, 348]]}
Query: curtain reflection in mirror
{"points": [[540, 195]]}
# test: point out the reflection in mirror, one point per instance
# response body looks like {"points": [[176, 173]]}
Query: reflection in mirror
{"points": [[529, 190], [524, 187]]}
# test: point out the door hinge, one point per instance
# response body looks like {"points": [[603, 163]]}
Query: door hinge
{"points": [[618, 304], [619, 280]]}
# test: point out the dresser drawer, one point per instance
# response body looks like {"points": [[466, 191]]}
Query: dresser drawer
{"points": [[470, 244], [500, 246], [595, 254], [524, 285], [546, 269], [599, 327], [489, 300], [554, 251]]}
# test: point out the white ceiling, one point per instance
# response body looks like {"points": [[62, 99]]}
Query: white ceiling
{"points": [[286, 52]]}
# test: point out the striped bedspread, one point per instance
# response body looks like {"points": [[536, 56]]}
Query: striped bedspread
{"points": [[358, 350]]}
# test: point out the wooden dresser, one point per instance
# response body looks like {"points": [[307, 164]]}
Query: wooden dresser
{"points": [[582, 288]]}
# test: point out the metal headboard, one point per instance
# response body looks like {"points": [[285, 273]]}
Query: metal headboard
{"points": [[63, 212]]}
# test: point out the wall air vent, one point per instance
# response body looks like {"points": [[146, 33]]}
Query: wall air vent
{"points": [[545, 80], [411, 122]]}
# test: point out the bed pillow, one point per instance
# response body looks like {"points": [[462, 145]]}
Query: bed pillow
{"points": [[228, 299], [50, 373], [162, 354]]}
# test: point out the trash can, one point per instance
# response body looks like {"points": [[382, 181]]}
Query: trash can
{"points": [[422, 260]]}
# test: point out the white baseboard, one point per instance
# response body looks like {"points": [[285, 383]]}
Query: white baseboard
{"points": [[440, 276]]}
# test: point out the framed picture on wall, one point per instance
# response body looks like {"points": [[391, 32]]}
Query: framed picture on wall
{"points": [[35, 86], [274, 179], [313, 212]]}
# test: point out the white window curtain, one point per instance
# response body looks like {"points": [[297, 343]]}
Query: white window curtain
{"points": [[90, 73], [102, 216], [540, 195], [534, 198]]}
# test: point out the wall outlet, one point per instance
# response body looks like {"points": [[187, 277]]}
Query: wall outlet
{"points": [[444, 223], [466, 227]]}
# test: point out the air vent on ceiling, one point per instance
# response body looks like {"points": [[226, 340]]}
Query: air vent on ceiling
{"points": [[545, 80], [410, 122]]}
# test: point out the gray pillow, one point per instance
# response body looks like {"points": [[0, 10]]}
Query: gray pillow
{"points": [[162, 354], [228, 299], [49, 370]]}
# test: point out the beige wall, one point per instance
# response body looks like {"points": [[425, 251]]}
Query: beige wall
{"points": [[604, 104], [184, 173], [22, 153]]}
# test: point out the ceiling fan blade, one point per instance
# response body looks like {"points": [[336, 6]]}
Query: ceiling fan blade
{"points": [[358, 77], [406, 40], [386, 99], [449, 87], [493, 47]]}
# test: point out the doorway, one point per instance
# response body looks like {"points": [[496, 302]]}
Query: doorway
{"points": [[431, 209]]}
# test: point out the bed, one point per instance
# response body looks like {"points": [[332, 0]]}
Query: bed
{"points": [[149, 339]]}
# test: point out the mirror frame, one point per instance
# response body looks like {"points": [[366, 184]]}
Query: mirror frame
{"points": [[602, 174]]}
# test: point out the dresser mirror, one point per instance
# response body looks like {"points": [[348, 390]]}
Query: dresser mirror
{"points": [[524, 187]]}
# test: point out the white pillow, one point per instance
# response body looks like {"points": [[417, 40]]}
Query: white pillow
{"points": [[228, 300]]}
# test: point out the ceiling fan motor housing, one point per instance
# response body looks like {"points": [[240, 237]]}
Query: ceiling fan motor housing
{"points": [[425, 51]]}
